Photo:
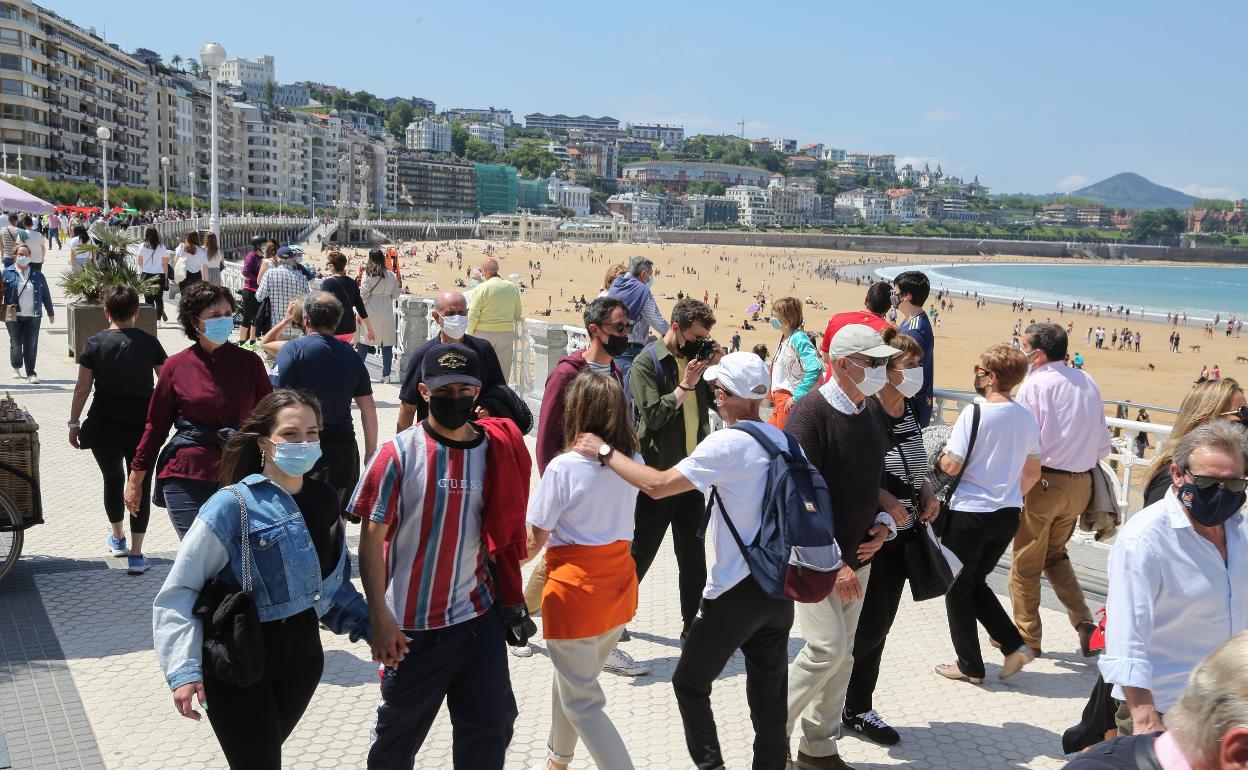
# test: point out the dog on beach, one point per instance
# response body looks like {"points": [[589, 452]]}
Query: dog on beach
{"points": [[1195, 348], [1152, 368], [1241, 359]]}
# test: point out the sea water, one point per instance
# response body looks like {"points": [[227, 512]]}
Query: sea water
{"points": [[1155, 290]]}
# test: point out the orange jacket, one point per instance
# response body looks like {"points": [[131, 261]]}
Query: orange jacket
{"points": [[590, 589]]}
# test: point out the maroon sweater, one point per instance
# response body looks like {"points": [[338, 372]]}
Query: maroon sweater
{"points": [[550, 424]]}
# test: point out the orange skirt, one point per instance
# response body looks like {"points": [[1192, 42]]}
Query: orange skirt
{"points": [[589, 590], [782, 404]]}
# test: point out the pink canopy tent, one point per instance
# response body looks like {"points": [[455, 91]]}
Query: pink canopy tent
{"points": [[14, 199]]}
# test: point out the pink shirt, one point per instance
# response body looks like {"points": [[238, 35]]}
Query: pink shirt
{"points": [[1169, 754], [1067, 405]]}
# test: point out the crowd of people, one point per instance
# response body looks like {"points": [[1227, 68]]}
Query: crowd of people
{"points": [[264, 477]]}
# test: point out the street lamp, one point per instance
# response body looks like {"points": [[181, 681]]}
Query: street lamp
{"points": [[314, 207], [190, 177], [212, 56], [279, 204], [164, 170], [244, 191], [103, 134]]}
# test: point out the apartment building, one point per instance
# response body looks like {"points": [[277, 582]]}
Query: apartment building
{"points": [[568, 195], [430, 185], [884, 166], [857, 162], [784, 146], [429, 134], [477, 114], [563, 123], [658, 132], [244, 72], [675, 175], [490, 133], [711, 211], [753, 205], [637, 207], [870, 207]]}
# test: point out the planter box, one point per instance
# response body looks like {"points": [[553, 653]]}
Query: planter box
{"points": [[84, 321]]}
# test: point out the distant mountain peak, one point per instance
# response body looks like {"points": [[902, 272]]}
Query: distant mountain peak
{"points": [[1131, 191]]}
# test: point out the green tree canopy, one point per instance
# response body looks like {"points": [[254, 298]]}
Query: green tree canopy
{"points": [[479, 151], [459, 139], [531, 160]]}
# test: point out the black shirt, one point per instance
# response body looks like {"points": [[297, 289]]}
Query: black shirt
{"points": [[1129, 752], [122, 361], [318, 503], [1157, 486], [488, 369], [348, 293]]}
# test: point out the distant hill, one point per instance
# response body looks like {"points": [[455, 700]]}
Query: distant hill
{"points": [[1132, 191]]}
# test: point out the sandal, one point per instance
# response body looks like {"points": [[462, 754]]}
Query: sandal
{"points": [[951, 671]]}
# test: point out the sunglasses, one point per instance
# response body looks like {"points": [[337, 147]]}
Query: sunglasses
{"points": [[1240, 414], [620, 328], [1231, 485]]}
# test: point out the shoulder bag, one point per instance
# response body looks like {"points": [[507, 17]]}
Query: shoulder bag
{"points": [[930, 566], [945, 510], [10, 311], [233, 639]]}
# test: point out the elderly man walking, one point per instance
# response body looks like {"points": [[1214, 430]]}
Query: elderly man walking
{"points": [[1073, 438], [1178, 578], [280, 285], [633, 289], [495, 312]]}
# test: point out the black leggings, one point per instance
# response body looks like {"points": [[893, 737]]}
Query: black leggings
{"points": [[114, 465], [156, 300], [252, 723]]}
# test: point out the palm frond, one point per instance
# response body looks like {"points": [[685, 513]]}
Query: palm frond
{"points": [[88, 283]]}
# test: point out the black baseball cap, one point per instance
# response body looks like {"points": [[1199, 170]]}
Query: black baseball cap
{"points": [[450, 364], [258, 240]]}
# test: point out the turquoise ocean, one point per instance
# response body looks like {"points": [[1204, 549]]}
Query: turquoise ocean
{"points": [[1201, 292]]}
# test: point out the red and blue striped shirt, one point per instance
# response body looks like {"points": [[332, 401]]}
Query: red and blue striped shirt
{"points": [[428, 490]]}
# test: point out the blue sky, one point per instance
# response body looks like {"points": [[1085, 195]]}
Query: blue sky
{"points": [[1031, 97]]}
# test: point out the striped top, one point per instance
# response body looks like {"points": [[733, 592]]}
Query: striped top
{"points": [[428, 490], [905, 437]]}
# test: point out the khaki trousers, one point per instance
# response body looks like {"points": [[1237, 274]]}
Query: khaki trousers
{"points": [[577, 702], [819, 675], [1050, 512], [504, 344]]}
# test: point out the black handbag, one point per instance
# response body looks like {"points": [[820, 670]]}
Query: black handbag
{"points": [[927, 562], [233, 639]]}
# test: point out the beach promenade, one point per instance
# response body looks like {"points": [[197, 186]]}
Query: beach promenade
{"points": [[80, 687]]}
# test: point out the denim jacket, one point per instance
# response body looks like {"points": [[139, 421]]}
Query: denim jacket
{"points": [[285, 574], [14, 282]]}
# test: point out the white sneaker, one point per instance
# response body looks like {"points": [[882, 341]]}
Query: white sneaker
{"points": [[33, 380], [18, 374], [387, 379], [521, 652], [622, 663]]}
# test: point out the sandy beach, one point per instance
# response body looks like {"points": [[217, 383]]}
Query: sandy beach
{"points": [[1152, 376]]}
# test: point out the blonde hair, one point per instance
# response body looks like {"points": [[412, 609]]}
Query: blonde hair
{"points": [[613, 272], [908, 345], [1202, 404], [789, 311]]}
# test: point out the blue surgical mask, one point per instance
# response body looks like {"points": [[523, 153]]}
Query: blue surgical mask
{"points": [[23, 262], [218, 330], [650, 281], [775, 324], [296, 458]]}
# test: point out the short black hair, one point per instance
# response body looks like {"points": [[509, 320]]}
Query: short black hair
{"points": [[598, 311], [914, 283], [689, 310], [322, 310], [879, 297], [13, 219], [1050, 338], [121, 302], [198, 297]]}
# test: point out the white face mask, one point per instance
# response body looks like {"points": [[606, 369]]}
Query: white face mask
{"points": [[454, 326], [911, 382], [874, 378]]}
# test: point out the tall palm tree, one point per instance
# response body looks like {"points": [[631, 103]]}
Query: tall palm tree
{"points": [[176, 61], [194, 66]]}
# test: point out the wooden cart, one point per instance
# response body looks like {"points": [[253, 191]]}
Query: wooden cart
{"points": [[21, 505]]}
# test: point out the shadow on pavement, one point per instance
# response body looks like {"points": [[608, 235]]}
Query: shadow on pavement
{"points": [[1011, 746], [347, 670]]}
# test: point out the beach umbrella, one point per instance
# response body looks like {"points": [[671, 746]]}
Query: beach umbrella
{"points": [[752, 309], [13, 198]]}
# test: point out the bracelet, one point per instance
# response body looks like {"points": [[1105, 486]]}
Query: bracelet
{"points": [[682, 387], [74, 424]]}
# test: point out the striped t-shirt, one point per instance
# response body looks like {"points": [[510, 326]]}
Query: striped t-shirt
{"points": [[428, 490], [904, 478]]}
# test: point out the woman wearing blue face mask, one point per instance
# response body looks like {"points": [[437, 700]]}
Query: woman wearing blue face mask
{"points": [[299, 576], [204, 393], [796, 368]]}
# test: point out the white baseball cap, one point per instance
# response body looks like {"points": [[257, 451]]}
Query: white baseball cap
{"points": [[860, 338], [741, 374]]}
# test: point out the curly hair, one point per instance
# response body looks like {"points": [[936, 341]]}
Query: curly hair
{"points": [[198, 297]]}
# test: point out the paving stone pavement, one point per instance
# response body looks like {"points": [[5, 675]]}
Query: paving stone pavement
{"points": [[80, 687]]}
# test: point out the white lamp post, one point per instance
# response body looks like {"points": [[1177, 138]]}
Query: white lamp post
{"points": [[244, 191], [279, 203], [103, 134], [190, 177], [314, 207], [164, 170], [212, 56]]}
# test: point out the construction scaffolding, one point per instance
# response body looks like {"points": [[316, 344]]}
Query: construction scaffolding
{"points": [[496, 188]]}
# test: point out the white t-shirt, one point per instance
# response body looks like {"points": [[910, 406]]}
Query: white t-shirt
{"points": [[1008, 435], [214, 262], [582, 503], [151, 261], [194, 262], [734, 463], [34, 242], [80, 255]]}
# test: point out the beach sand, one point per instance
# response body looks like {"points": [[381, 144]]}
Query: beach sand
{"points": [[570, 270]]}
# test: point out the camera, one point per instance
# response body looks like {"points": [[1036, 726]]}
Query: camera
{"points": [[705, 350]]}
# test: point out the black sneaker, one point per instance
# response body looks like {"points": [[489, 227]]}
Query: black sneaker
{"points": [[872, 727]]}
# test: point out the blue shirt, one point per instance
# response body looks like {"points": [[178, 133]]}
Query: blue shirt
{"points": [[920, 328], [328, 367]]}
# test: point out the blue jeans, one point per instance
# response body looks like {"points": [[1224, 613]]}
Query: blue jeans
{"points": [[465, 665], [183, 498], [24, 342], [387, 353], [625, 359], [55, 235]]}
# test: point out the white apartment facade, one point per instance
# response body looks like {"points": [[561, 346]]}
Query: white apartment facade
{"points": [[753, 205], [870, 207], [429, 134], [244, 72], [568, 195], [490, 133]]}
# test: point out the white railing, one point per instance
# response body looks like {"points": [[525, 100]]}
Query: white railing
{"points": [[1121, 463]]}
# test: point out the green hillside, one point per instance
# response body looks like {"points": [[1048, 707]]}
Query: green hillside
{"points": [[1132, 191]]}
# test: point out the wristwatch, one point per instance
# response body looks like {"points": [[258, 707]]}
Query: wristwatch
{"points": [[604, 453]]}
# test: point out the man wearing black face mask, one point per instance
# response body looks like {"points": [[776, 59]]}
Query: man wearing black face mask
{"points": [[1178, 578]]}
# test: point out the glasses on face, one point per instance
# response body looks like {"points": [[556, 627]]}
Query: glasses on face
{"points": [[1239, 415], [624, 327], [1231, 484], [980, 372]]}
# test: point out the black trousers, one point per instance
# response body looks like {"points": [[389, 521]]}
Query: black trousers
{"points": [[744, 618], [339, 465], [979, 540], [683, 513], [251, 723], [157, 300], [879, 610], [465, 665], [114, 466]]}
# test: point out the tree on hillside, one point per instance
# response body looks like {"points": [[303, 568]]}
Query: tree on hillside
{"points": [[396, 122], [193, 66], [531, 160], [1161, 227], [1213, 204], [175, 61], [459, 139], [269, 94], [479, 151]]}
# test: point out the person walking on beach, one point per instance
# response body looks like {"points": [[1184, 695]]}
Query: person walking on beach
{"points": [[494, 313], [1067, 405]]}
